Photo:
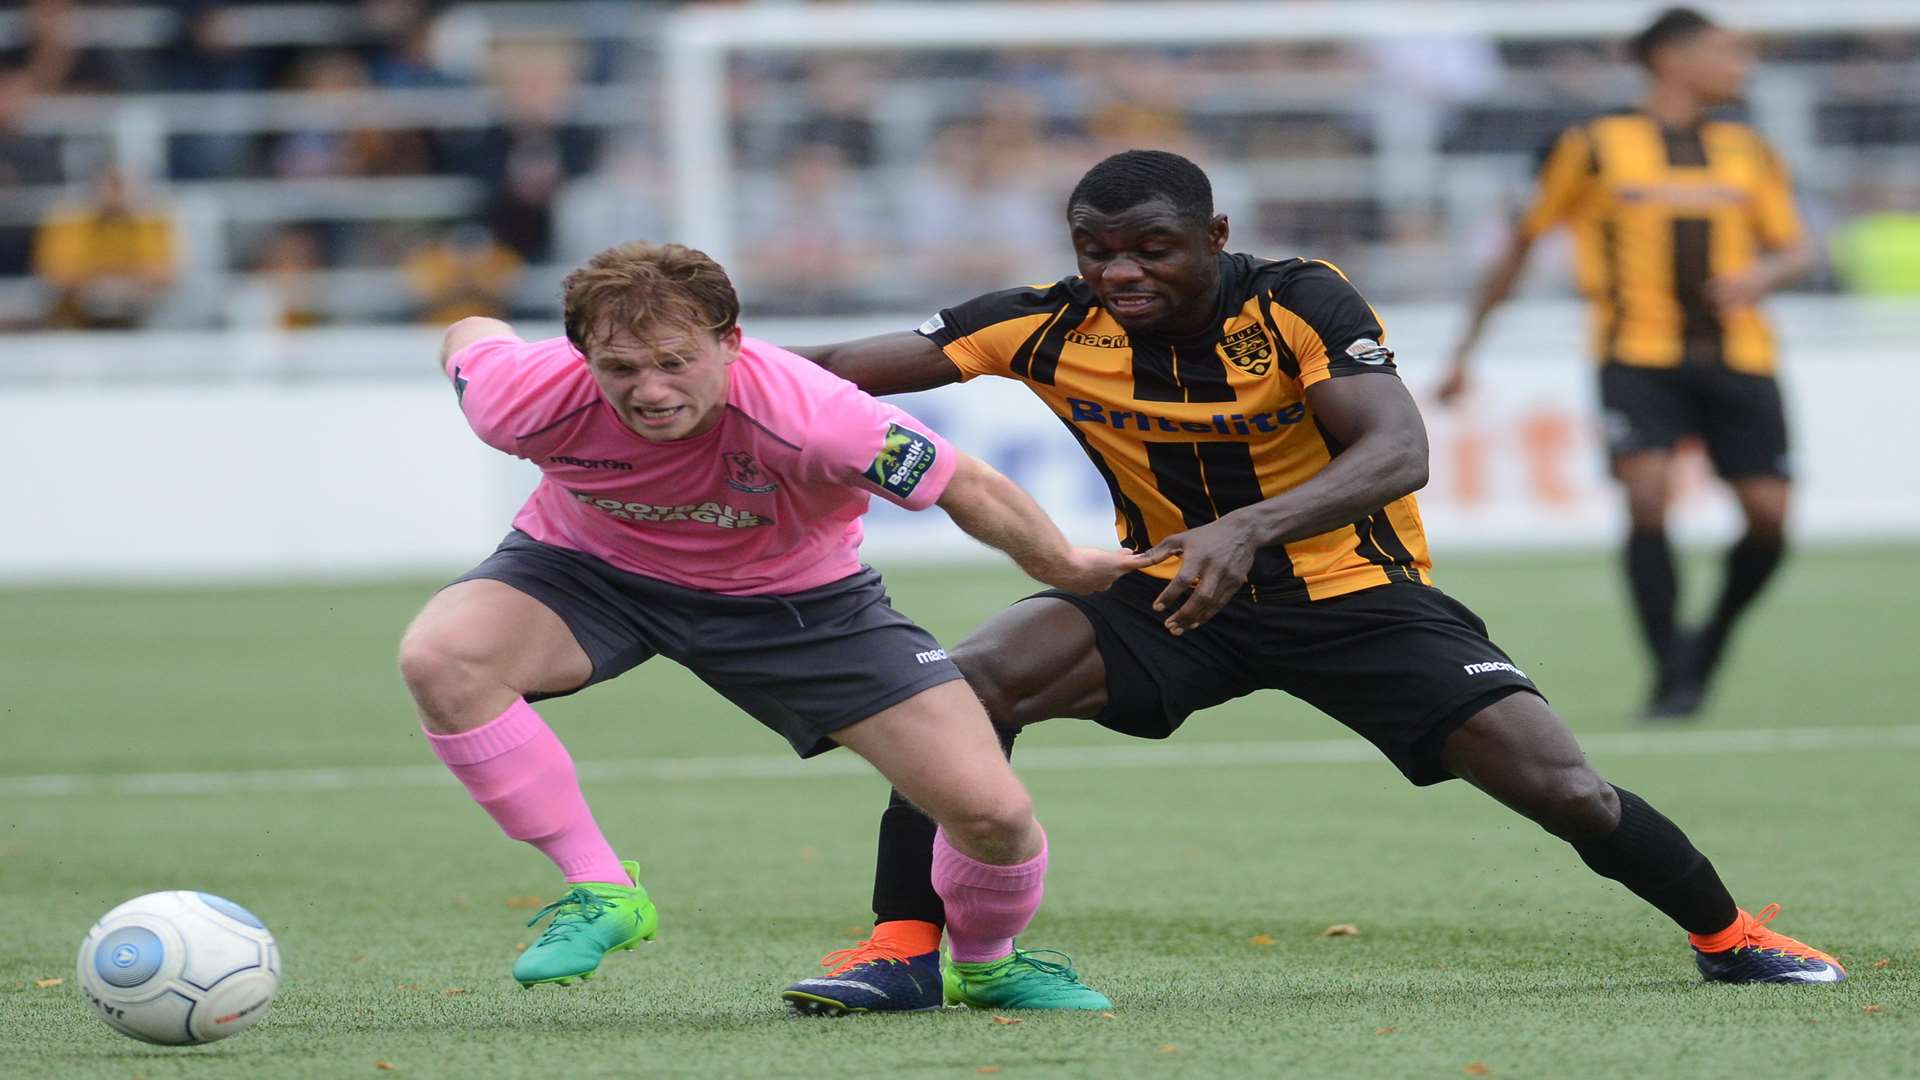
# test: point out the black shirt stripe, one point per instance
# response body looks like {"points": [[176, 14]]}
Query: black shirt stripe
{"points": [[1176, 472], [1209, 479], [1153, 378], [1365, 543], [1200, 371], [1228, 469], [1022, 363], [1046, 358], [1684, 148], [997, 307], [1702, 338], [1136, 537], [1388, 540], [1610, 258], [1283, 353]]}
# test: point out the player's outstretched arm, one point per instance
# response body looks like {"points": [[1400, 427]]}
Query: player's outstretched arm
{"points": [[1495, 287], [469, 330], [895, 363], [995, 511], [1384, 456]]}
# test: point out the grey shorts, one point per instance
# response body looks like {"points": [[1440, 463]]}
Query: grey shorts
{"points": [[805, 664]]}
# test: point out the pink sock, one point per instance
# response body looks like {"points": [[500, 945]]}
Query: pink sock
{"points": [[987, 905], [515, 767]]}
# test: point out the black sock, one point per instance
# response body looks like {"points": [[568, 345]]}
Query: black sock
{"points": [[1655, 588], [1750, 563], [903, 872], [1655, 860], [1006, 735]]}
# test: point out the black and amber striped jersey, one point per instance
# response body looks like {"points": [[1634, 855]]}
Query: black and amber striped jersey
{"points": [[1184, 431], [1657, 213]]}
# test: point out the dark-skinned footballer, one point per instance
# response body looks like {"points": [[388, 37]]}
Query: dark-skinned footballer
{"points": [[1248, 421]]}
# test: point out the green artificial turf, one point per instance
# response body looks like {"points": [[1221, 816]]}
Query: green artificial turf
{"points": [[1192, 891]]}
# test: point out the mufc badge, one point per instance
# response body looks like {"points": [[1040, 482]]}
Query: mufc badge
{"points": [[1249, 350], [745, 474]]}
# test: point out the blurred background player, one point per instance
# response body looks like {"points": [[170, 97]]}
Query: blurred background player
{"points": [[108, 260], [1682, 222], [701, 499], [464, 274]]}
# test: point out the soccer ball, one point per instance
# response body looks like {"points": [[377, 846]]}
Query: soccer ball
{"points": [[179, 967]]}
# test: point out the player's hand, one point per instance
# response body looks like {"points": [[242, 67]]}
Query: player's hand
{"points": [[1731, 292], [1454, 385], [1214, 562], [1090, 570]]}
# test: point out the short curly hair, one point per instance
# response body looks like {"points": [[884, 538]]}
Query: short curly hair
{"points": [[643, 287], [1132, 177]]}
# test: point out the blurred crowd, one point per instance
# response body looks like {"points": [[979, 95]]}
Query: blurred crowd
{"points": [[449, 166], [109, 250]]}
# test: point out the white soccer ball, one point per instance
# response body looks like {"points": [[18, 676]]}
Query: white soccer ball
{"points": [[179, 967]]}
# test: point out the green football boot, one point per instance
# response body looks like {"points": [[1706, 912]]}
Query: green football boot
{"points": [[1021, 981], [589, 922]]}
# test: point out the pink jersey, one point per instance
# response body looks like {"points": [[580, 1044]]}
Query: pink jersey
{"points": [[769, 501]]}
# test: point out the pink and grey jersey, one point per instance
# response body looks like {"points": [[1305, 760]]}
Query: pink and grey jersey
{"points": [[769, 501]]}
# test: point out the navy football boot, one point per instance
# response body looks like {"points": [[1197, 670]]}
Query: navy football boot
{"points": [[870, 977], [1748, 952]]}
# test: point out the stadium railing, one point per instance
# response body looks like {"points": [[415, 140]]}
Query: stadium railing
{"points": [[1410, 153]]}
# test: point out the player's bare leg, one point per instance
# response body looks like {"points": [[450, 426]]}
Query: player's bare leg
{"points": [[1035, 660], [469, 659], [1646, 480], [477, 647], [1520, 752], [938, 750]]}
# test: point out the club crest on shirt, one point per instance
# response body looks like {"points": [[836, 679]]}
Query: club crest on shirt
{"points": [[745, 474], [1248, 349]]}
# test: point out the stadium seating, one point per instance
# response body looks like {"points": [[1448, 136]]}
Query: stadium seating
{"points": [[372, 130]]}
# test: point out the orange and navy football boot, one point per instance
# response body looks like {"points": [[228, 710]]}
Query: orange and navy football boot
{"points": [[896, 970], [1748, 952]]}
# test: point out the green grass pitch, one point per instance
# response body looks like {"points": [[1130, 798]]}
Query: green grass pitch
{"points": [[1191, 879]]}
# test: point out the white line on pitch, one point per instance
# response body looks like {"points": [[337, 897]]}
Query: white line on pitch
{"points": [[1130, 755]]}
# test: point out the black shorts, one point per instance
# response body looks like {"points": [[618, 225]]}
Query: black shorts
{"points": [[1740, 417], [805, 664], [1402, 664]]}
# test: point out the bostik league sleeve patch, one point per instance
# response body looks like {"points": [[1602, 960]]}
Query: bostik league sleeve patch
{"points": [[904, 458]]}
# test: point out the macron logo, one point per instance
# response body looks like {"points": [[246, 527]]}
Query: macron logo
{"points": [[930, 656], [591, 463], [1482, 669]]}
